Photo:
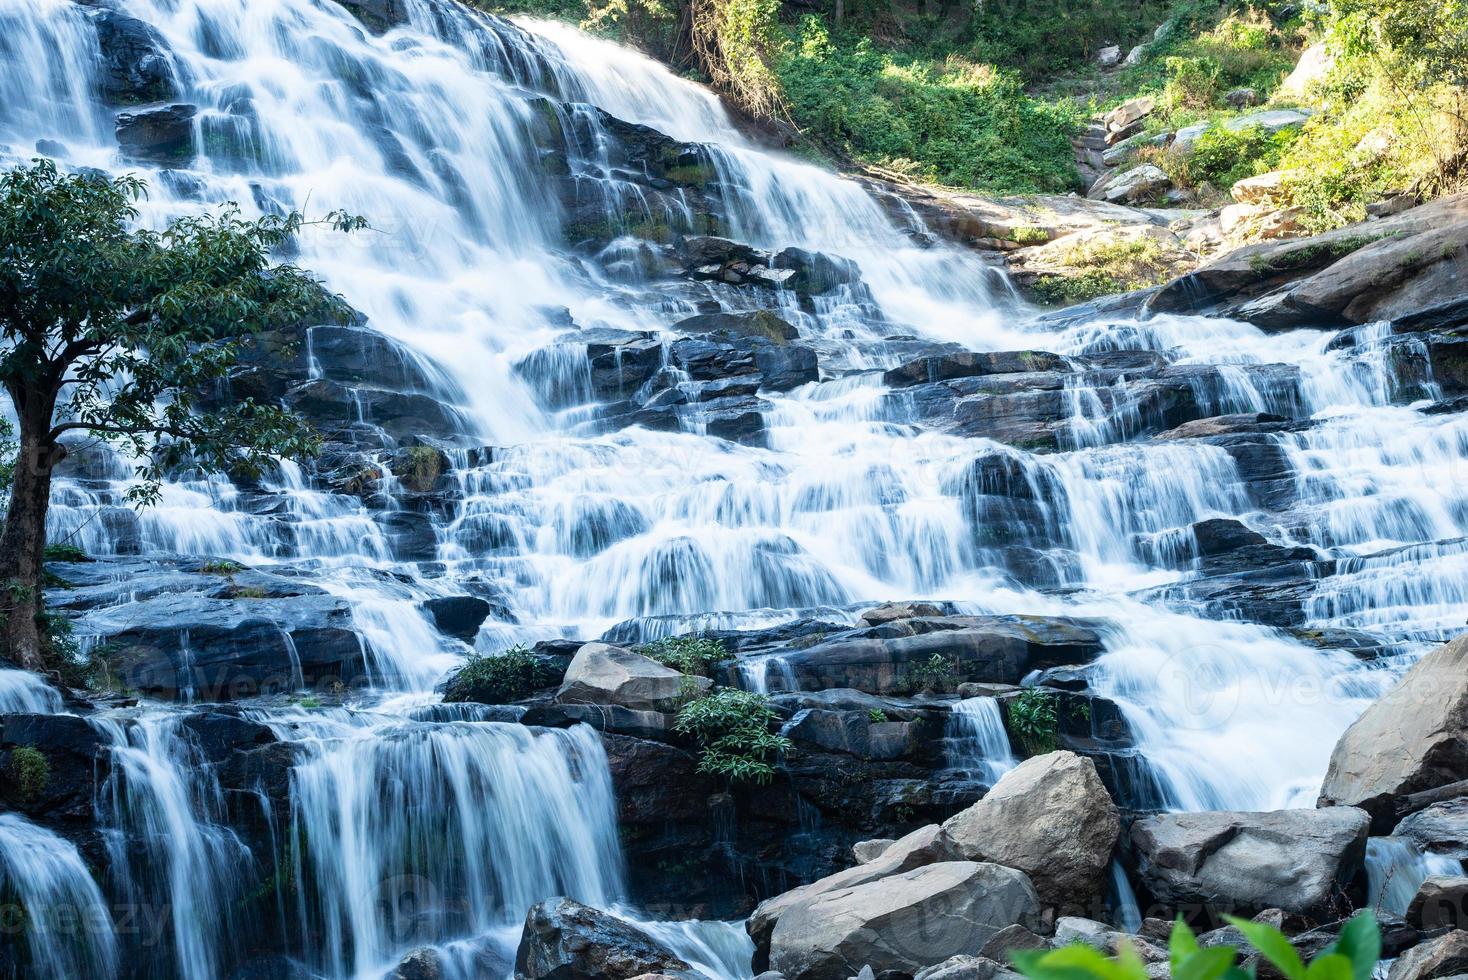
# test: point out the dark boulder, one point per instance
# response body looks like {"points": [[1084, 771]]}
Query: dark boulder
{"points": [[760, 323], [63, 786], [135, 67], [815, 272], [968, 364], [164, 135], [565, 940], [378, 15], [459, 616]]}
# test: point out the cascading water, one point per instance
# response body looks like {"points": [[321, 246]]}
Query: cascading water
{"points": [[978, 744], [68, 925], [435, 131]]}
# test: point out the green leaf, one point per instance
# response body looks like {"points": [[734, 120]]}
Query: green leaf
{"points": [[1206, 964], [1359, 942], [1181, 944], [1330, 966], [1272, 944]]}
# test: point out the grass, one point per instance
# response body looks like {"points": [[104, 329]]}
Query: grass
{"points": [[1102, 266]]}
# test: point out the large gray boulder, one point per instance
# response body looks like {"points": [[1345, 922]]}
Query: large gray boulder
{"points": [[1295, 860], [924, 846], [902, 923], [565, 940], [1051, 818], [603, 674], [1413, 738], [967, 968]]}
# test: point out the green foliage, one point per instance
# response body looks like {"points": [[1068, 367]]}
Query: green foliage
{"points": [[932, 674], [877, 716], [222, 566], [951, 121], [1353, 956], [1431, 36], [501, 678], [66, 553], [694, 655], [1033, 721], [1042, 37], [1222, 156], [30, 771], [733, 732], [65, 658], [142, 321]]}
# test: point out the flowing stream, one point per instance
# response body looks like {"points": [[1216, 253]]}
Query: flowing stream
{"points": [[431, 130]]}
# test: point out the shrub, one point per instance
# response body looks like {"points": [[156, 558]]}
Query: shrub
{"points": [[1033, 721], [876, 716], [932, 674], [733, 732], [1223, 156], [695, 655], [67, 553], [221, 567], [30, 771], [1353, 956], [511, 675], [947, 120]]}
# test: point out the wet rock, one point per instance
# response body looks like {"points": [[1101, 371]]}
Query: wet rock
{"points": [[1441, 828], [968, 364], [185, 645], [1051, 818], [459, 616], [75, 763], [378, 15], [994, 649], [889, 611], [603, 674], [565, 940], [135, 68], [901, 923], [758, 324], [163, 135], [1295, 860], [1445, 956], [1414, 738], [815, 273]]}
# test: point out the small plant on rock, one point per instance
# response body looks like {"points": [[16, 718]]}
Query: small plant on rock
{"points": [[932, 674], [31, 772], [1353, 956], [501, 678], [733, 732], [876, 716], [694, 655], [1034, 722]]}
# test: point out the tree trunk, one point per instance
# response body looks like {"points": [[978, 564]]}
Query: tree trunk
{"points": [[23, 544]]}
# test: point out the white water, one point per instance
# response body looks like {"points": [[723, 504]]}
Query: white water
{"points": [[67, 924], [978, 745], [21, 691], [429, 131], [1396, 868]]}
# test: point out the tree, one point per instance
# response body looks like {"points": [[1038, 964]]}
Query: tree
{"points": [[114, 331]]}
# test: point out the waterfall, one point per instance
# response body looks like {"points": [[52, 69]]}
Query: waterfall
{"points": [[1396, 868], [411, 833], [978, 744], [410, 823], [66, 922], [23, 692]]}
